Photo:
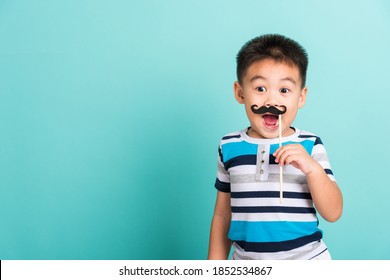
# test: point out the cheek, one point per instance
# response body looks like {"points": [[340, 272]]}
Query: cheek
{"points": [[253, 101], [248, 110], [290, 114], [251, 116]]}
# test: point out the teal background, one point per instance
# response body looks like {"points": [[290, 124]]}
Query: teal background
{"points": [[111, 112]]}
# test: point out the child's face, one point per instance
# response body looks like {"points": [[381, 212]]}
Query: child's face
{"points": [[270, 83]]}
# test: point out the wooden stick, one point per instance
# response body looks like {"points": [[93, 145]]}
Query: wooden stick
{"points": [[280, 167]]}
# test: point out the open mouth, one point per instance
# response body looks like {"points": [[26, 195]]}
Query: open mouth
{"points": [[271, 121]]}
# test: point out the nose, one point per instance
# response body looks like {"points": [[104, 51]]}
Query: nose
{"points": [[272, 99], [275, 105], [270, 103]]}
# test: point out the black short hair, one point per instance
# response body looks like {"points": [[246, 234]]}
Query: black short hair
{"points": [[273, 46]]}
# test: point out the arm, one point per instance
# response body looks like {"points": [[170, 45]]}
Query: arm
{"points": [[326, 194], [219, 244]]}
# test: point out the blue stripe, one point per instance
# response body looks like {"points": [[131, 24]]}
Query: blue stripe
{"points": [[230, 151], [307, 144], [271, 247], [273, 209], [234, 149], [297, 195], [270, 231], [317, 140]]}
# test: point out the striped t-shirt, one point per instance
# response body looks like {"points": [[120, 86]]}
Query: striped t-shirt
{"points": [[263, 227]]}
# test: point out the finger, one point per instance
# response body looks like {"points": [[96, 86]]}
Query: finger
{"points": [[290, 159], [285, 151], [280, 154], [288, 156], [277, 154], [280, 150]]}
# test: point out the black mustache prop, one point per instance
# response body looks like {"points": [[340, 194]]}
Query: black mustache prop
{"points": [[271, 109]]}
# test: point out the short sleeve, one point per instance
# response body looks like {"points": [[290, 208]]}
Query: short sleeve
{"points": [[222, 182], [320, 155]]}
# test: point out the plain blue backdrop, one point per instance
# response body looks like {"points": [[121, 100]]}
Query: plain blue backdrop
{"points": [[111, 112]]}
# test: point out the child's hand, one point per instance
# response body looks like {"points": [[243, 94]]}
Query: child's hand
{"points": [[297, 156]]}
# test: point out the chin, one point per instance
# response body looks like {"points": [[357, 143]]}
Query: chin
{"points": [[271, 135], [258, 133]]}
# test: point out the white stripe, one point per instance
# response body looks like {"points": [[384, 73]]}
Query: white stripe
{"points": [[325, 164], [287, 169], [232, 140], [319, 149], [272, 217], [261, 201], [243, 169], [320, 156], [223, 177], [288, 187], [272, 178], [305, 252], [331, 177]]}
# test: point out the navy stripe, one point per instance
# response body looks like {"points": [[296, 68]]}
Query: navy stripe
{"points": [[318, 141], [271, 247], [270, 194], [220, 153], [231, 136], [272, 159], [273, 209], [328, 171], [319, 254], [241, 160], [306, 136], [222, 186]]}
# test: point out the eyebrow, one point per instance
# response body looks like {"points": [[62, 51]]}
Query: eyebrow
{"points": [[259, 77]]}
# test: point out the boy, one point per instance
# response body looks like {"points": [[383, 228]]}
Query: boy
{"points": [[271, 76]]}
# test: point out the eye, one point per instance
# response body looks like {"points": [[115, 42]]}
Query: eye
{"points": [[261, 89], [284, 90]]}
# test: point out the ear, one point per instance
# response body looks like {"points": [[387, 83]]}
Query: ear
{"points": [[238, 92], [302, 97]]}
